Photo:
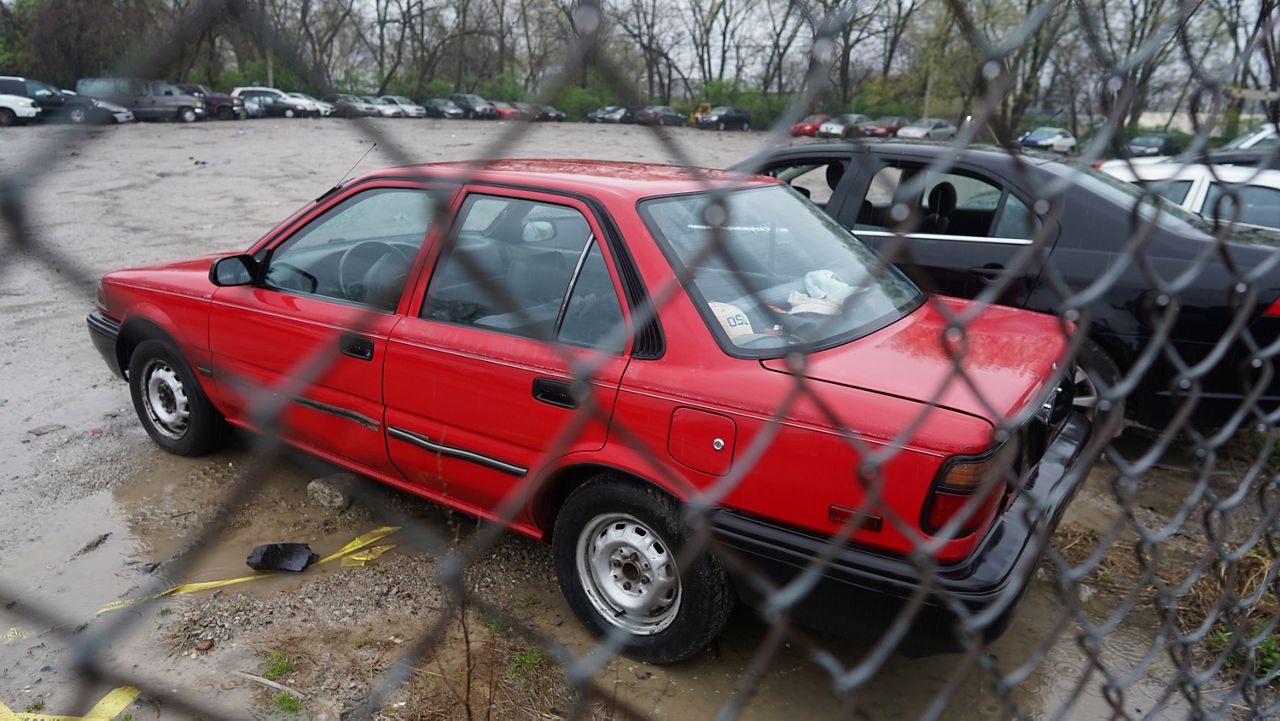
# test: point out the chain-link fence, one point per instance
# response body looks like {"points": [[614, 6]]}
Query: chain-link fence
{"points": [[819, 433]]}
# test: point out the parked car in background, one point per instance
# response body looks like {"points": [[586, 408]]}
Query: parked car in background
{"points": [[278, 103], [442, 108], [107, 113], [147, 99], [1056, 140], [217, 105], [350, 106], [54, 104], [1149, 145], [410, 108], [385, 108], [549, 114], [506, 111], [1225, 192], [968, 226], [607, 114], [1263, 136], [253, 108], [883, 127], [927, 129], [808, 125], [324, 108], [18, 110], [725, 117], [612, 114], [841, 126], [563, 241], [659, 115], [475, 107]]}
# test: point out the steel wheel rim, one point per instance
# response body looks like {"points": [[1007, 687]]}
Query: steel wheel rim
{"points": [[165, 400], [78, 115], [629, 574]]}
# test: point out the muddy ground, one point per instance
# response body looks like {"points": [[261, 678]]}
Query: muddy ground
{"points": [[89, 505]]}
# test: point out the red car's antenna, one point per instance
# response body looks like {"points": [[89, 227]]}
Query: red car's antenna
{"points": [[348, 173]]}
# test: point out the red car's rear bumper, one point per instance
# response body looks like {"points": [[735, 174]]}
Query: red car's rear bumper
{"points": [[859, 592]]}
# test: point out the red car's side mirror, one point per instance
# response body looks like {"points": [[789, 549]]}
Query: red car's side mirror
{"points": [[233, 270]]}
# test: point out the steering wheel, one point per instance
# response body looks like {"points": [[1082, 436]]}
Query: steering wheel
{"points": [[368, 252]]}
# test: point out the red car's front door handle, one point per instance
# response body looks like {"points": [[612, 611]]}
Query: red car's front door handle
{"points": [[554, 392], [356, 346]]}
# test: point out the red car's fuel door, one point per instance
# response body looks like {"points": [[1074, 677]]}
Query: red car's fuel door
{"points": [[316, 323], [480, 377]]}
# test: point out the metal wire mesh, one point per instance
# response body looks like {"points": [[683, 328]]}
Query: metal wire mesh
{"points": [[1220, 659]]}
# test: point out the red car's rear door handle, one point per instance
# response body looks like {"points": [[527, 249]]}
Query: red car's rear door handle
{"points": [[554, 392], [356, 346]]}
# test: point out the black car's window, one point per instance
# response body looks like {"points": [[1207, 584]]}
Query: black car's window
{"points": [[359, 251], [1174, 191], [815, 179], [12, 87], [37, 89], [511, 267], [956, 204], [1255, 204]]}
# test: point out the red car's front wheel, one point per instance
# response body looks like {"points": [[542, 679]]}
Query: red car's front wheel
{"points": [[617, 551], [170, 403]]}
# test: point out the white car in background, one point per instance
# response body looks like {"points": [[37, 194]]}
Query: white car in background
{"points": [[1212, 190], [1057, 140], [928, 129], [17, 110], [411, 109], [325, 109], [295, 106]]}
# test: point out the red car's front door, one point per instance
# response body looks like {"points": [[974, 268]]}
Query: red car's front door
{"points": [[315, 326], [479, 376]]}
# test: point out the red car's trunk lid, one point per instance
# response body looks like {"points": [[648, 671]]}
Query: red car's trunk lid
{"points": [[1008, 354]]}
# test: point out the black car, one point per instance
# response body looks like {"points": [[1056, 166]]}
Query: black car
{"points": [[968, 224], [1150, 145], [218, 105], [474, 106], [612, 114], [55, 104], [548, 113], [659, 115], [443, 108], [724, 117]]}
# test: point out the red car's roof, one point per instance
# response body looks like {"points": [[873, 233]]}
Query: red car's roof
{"points": [[621, 179]]}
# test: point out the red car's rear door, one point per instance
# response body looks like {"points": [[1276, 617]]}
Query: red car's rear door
{"points": [[316, 325], [479, 375]]}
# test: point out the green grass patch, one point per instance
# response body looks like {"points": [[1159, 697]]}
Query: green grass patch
{"points": [[242, 523], [35, 706], [1265, 655], [286, 703], [278, 666], [524, 664]]}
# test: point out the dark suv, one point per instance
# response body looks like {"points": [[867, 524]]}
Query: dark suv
{"points": [[217, 105], [54, 104], [148, 99]]}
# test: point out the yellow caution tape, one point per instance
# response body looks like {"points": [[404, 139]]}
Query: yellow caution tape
{"points": [[355, 545], [111, 706], [360, 558]]}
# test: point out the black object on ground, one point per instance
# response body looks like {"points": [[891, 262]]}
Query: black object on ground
{"points": [[281, 557]]}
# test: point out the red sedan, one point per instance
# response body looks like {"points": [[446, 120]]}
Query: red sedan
{"points": [[506, 111], [809, 126], [454, 348]]}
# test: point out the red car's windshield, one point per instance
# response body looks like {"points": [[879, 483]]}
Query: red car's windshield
{"points": [[784, 274]]}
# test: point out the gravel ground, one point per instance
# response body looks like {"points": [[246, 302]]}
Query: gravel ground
{"points": [[155, 192]]}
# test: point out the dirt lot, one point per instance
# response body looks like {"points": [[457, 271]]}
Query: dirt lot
{"points": [[90, 505]]}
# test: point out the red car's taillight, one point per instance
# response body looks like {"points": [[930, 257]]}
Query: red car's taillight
{"points": [[961, 480]]}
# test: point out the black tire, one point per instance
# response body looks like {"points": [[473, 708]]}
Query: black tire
{"points": [[226, 113], [204, 430], [7, 118], [1097, 368], [187, 115], [702, 600]]}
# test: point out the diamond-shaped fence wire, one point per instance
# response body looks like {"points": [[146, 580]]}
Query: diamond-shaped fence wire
{"points": [[1159, 601]]}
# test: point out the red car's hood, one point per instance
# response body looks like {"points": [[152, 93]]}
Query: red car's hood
{"points": [[187, 277], [1010, 356]]}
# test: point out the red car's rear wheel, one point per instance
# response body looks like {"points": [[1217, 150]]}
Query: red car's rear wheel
{"points": [[616, 545]]}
